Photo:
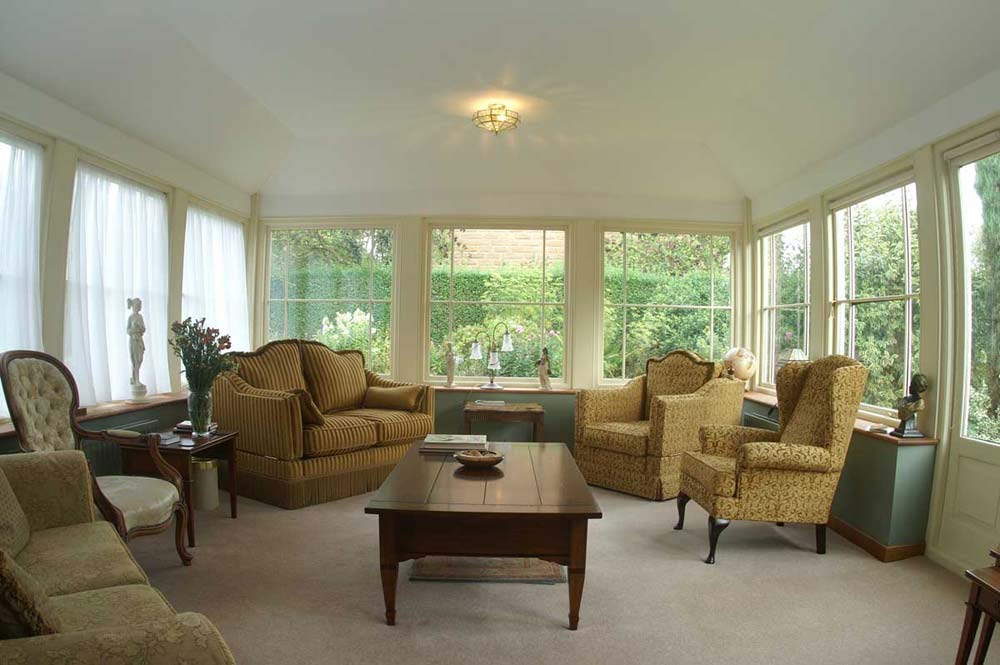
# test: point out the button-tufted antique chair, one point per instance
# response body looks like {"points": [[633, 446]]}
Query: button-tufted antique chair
{"points": [[745, 473], [43, 401], [631, 438]]}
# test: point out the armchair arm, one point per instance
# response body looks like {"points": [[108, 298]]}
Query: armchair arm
{"points": [[784, 456], [725, 440], [605, 405], [54, 489], [269, 421], [425, 403], [185, 638], [675, 420]]}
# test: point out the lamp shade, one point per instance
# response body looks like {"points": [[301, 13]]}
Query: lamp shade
{"points": [[508, 344], [494, 362], [476, 353]]}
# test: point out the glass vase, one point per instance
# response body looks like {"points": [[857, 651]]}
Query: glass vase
{"points": [[200, 411]]}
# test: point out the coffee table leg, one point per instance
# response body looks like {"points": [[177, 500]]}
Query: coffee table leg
{"points": [[189, 499], [577, 569], [388, 564], [232, 478]]}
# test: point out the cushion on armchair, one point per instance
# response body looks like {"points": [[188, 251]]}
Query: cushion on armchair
{"points": [[24, 606], [275, 366], [336, 378], [630, 438], [143, 500], [14, 529], [715, 473], [401, 398]]}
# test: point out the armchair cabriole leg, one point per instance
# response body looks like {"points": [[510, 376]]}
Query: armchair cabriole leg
{"points": [[780, 523], [820, 539], [682, 502], [181, 518], [716, 526]]}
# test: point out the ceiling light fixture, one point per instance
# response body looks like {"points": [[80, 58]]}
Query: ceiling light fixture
{"points": [[497, 118]]}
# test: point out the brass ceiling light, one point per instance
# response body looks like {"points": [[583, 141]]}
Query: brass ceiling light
{"points": [[497, 118]]}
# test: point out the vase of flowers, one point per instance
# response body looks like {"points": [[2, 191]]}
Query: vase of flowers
{"points": [[201, 350]]}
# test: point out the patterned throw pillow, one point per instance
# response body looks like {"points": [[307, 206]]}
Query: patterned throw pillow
{"points": [[311, 414], [14, 529], [24, 608]]}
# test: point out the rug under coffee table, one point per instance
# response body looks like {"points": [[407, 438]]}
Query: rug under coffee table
{"points": [[486, 569], [533, 504]]}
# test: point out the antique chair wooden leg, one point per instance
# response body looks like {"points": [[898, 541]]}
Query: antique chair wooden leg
{"points": [[985, 635], [715, 527], [780, 523], [682, 502], [180, 519], [820, 539]]}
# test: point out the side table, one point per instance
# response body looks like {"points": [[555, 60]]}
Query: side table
{"points": [[220, 445], [984, 598], [529, 412]]}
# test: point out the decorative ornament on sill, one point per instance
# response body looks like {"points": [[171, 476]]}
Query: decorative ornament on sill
{"points": [[450, 361], [135, 328], [497, 118], [505, 345], [740, 363], [542, 363], [908, 407]]}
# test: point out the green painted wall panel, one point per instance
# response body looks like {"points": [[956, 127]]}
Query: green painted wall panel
{"points": [[559, 416]]}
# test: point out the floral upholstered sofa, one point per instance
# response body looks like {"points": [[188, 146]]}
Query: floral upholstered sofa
{"points": [[314, 424], [70, 591]]}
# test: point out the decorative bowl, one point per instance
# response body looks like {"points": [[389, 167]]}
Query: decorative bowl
{"points": [[478, 459]]}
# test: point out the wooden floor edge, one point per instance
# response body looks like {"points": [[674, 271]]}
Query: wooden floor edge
{"points": [[885, 553]]}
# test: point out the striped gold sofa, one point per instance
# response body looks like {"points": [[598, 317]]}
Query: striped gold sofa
{"points": [[313, 424]]}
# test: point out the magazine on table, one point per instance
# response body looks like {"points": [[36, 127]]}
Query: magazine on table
{"points": [[447, 443]]}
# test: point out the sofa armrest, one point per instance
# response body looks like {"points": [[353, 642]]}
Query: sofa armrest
{"points": [[783, 456], [606, 405], [676, 420], [185, 638], [269, 421], [425, 403], [725, 440], [54, 489]]}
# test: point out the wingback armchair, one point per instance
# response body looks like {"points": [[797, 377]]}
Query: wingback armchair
{"points": [[43, 401], [745, 473], [631, 438]]}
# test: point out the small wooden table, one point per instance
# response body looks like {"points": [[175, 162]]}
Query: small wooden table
{"points": [[984, 598], [526, 412], [533, 504], [221, 445]]}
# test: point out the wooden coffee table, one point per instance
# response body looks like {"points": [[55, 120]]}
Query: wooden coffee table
{"points": [[533, 504]]}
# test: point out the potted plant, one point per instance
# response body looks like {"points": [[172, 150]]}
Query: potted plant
{"points": [[201, 350]]}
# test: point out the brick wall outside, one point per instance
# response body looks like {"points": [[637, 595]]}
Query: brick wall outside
{"points": [[491, 248]]}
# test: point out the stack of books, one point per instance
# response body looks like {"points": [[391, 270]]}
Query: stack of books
{"points": [[452, 443], [184, 428]]}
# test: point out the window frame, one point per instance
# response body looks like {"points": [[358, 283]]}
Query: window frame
{"points": [[261, 310], [835, 302], [736, 307], [499, 224], [764, 235]]}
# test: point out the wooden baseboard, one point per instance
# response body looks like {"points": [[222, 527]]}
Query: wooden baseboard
{"points": [[886, 553]]}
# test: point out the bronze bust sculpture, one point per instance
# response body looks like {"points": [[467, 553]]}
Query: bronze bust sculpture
{"points": [[908, 407]]}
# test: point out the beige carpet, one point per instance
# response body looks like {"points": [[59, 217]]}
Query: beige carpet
{"points": [[302, 586]]}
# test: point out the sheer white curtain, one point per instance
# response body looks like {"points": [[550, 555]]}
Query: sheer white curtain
{"points": [[118, 249], [215, 275], [20, 247]]}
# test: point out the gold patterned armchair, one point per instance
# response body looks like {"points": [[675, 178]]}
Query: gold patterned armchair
{"points": [[631, 438], [43, 401], [745, 473]]}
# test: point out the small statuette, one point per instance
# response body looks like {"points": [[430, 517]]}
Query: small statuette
{"points": [[542, 364], [908, 407], [449, 361], [136, 328]]}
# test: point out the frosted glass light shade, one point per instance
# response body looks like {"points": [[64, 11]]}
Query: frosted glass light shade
{"points": [[476, 353], [494, 362], [508, 344]]}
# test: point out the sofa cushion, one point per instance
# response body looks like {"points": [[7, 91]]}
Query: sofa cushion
{"points": [[14, 529], [143, 501], [716, 474], [311, 415], [395, 426], [401, 398], [336, 378], [114, 606], [79, 557], [274, 366], [339, 434], [25, 609], [630, 438]]}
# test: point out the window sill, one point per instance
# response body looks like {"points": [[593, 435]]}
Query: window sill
{"points": [[109, 409], [511, 389], [861, 426]]}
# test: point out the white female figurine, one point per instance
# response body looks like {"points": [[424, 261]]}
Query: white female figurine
{"points": [[449, 362], [543, 370], [136, 328]]}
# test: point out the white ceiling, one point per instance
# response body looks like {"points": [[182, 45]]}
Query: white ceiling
{"points": [[363, 106]]}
